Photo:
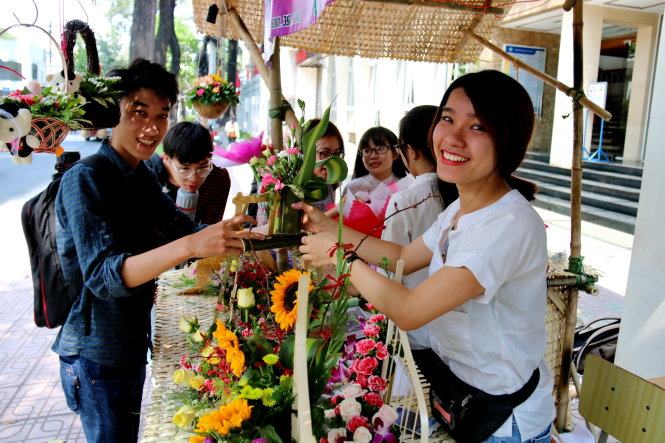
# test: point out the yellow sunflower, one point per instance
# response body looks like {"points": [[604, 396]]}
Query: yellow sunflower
{"points": [[285, 298], [226, 418]]}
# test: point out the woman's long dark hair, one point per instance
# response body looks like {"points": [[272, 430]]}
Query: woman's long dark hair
{"points": [[414, 130], [379, 136], [505, 108]]}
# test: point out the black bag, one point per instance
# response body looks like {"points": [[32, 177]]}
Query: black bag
{"points": [[467, 413], [598, 337], [53, 294]]}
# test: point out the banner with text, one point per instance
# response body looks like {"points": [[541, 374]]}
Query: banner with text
{"points": [[284, 17]]}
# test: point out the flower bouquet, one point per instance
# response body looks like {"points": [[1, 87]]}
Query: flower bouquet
{"points": [[211, 95], [289, 174]]}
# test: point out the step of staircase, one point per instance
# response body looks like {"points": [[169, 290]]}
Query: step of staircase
{"points": [[610, 192], [591, 214]]}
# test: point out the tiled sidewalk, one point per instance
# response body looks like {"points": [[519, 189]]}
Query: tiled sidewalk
{"points": [[32, 405]]}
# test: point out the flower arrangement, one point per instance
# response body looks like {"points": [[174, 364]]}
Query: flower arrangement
{"points": [[354, 409], [236, 381], [211, 95], [50, 102], [102, 98]]}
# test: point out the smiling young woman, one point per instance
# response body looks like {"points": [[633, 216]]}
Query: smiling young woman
{"points": [[484, 300]]}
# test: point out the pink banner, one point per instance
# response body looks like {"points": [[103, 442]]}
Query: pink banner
{"points": [[289, 16]]}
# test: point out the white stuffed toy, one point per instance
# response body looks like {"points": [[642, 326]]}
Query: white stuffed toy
{"points": [[58, 80], [15, 132]]}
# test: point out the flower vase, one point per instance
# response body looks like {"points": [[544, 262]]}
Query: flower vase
{"points": [[285, 219]]}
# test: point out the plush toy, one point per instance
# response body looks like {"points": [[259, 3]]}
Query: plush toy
{"points": [[58, 80], [100, 134], [15, 132]]}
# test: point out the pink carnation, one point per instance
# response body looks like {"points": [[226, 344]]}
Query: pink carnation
{"points": [[361, 380], [364, 346], [371, 330], [200, 92], [381, 351], [376, 318], [293, 151], [209, 385], [356, 422], [373, 399], [279, 186], [246, 332], [365, 366], [376, 383], [271, 160]]}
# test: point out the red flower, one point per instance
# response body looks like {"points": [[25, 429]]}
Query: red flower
{"points": [[365, 366], [376, 318], [364, 346], [361, 380], [376, 383], [381, 351], [371, 330], [356, 422], [373, 399], [336, 399]]}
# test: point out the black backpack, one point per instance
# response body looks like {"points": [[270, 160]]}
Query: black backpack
{"points": [[599, 338], [54, 295]]}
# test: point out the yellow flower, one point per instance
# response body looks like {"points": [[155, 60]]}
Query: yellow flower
{"points": [[215, 89], [251, 393], [246, 298], [266, 398], [284, 298], [197, 382], [225, 338], [270, 359], [198, 336], [197, 439], [226, 418], [234, 263], [183, 418], [182, 377], [210, 354], [236, 360]]}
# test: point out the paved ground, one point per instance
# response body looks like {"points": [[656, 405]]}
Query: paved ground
{"points": [[32, 406]]}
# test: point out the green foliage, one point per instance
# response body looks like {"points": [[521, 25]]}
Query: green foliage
{"points": [[189, 44]]}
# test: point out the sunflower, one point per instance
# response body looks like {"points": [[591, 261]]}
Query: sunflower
{"points": [[226, 418], [284, 298]]}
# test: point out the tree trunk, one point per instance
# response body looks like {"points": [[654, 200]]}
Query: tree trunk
{"points": [[142, 40], [166, 38], [232, 69]]}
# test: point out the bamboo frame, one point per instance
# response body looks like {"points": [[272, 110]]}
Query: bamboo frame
{"points": [[303, 421], [442, 5], [570, 92]]}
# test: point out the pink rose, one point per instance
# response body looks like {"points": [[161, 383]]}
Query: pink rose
{"points": [[364, 346], [376, 383], [373, 399], [371, 330], [381, 351], [200, 92], [349, 408], [365, 366]]}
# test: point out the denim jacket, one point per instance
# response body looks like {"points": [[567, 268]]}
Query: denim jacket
{"points": [[105, 214]]}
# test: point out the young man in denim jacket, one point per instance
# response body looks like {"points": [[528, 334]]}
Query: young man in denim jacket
{"points": [[116, 232]]}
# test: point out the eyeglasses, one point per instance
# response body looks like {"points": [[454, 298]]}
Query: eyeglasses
{"points": [[188, 173], [367, 152], [400, 147], [325, 153]]}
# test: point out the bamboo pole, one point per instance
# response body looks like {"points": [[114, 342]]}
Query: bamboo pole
{"points": [[257, 58], [575, 220], [570, 92]]}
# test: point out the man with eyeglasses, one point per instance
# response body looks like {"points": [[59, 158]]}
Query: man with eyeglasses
{"points": [[187, 164]]}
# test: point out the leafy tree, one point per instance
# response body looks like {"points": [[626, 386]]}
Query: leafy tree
{"points": [[189, 43]]}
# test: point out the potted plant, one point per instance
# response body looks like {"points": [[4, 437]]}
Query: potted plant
{"points": [[211, 95]]}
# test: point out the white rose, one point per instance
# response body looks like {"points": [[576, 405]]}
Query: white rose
{"points": [[362, 435], [387, 414], [336, 433], [353, 390], [198, 336], [246, 298], [188, 324], [349, 408], [329, 413]]}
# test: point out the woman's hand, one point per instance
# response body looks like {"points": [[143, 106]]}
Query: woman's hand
{"points": [[222, 237], [314, 220], [318, 249]]}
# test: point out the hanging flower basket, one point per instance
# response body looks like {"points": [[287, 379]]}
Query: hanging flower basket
{"points": [[211, 111], [50, 132]]}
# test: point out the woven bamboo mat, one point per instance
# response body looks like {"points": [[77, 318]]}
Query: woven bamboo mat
{"points": [[169, 345]]}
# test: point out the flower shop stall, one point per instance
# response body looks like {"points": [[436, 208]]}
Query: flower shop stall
{"points": [[438, 32]]}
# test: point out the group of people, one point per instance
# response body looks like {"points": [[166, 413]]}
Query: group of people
{"points": [[474, 250]]}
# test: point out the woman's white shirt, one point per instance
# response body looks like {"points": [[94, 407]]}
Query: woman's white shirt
{"points": [[496, 340], [367, 183], [406, 226]]}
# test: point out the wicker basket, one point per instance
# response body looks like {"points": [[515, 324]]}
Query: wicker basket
{"points": [[215, 110], [50, 132]]}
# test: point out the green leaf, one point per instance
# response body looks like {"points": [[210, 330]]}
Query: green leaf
{"points": [[308, 147], [336, 168]]}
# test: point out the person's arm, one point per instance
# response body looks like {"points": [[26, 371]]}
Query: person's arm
{"points": [[415, 255]]}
